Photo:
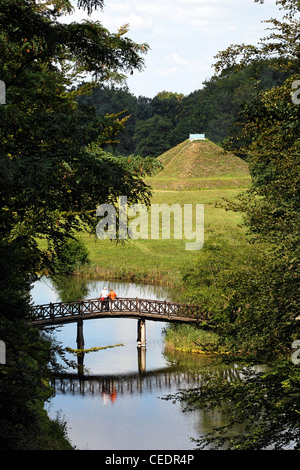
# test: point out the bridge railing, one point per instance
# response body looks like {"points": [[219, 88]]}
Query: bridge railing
{"points": [[89, 307]]}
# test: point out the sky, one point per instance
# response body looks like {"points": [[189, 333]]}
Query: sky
{"points": [[183, 35]]}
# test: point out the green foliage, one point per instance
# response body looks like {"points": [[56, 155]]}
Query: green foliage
{"points": [[193, 339], [23, 380], [135, 165], [71, 255], [212, 279], [272, 214], [282, 43], [263, 308], [111, 100], [158, 124], [51, 183], [153, 136], [265, 405], [262, 295]]}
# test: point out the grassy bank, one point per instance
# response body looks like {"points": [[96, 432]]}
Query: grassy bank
{"points": [[189, 338]]}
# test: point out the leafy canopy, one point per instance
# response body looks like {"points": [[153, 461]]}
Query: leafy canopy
{"points": [[50, 180]]}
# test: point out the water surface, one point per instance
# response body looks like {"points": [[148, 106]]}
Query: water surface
{"points": [[120, 405]]}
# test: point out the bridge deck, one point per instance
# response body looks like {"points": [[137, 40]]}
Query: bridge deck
{"points": [[157, 310]]}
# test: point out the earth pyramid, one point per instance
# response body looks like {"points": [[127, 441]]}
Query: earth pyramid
{"points": [[200, 164]]}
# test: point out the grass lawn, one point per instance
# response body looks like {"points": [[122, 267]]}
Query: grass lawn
{"points": [[160, 261]]}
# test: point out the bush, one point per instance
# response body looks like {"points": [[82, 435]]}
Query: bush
{"points": [[70, 256]]}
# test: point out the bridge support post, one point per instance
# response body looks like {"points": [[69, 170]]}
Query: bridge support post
{"points": [[80, 338], [141, 360], [80, 345], [141, 334]]}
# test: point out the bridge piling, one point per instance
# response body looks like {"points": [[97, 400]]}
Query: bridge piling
{"points": [[141, 335], [51, 307], [80, 337], [141, 360]]}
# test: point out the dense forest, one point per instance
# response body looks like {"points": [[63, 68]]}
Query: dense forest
{"points": [[155, 125]]}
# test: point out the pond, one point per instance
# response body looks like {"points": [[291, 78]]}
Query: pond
{"points": [[119, 404]]}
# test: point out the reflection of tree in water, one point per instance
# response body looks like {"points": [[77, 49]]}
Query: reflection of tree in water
{"points": [[192, 362], [202, 364], [178, 373], [71, 288], [130, 290], [207, 419], [184, 373]]}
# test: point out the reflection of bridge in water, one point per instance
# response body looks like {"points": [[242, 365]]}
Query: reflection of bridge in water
{"points": [[160, 379], [112, 385]]}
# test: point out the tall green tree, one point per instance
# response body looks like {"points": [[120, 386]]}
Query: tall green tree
{"points": [[261, 318], [264, 303], [51, 181], [108, 100], [152, 136]]}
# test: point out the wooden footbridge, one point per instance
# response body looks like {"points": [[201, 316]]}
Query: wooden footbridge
{"points": [[142, 309]]}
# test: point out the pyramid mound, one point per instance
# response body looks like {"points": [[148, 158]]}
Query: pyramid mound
{"points": [[200, 164]]}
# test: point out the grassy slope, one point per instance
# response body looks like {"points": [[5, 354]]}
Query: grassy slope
{"points": [[200, 165]]}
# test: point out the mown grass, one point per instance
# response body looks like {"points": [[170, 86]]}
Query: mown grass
{"points": [[159, 261], [162, 261]]}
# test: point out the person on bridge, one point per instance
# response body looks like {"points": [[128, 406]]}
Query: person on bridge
{"points": [[104, 300], [112, 295]]}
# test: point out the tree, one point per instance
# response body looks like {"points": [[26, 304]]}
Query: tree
{"points": [[263, 308], [51, 181], [112, 100], [282, 44], [269, 132], [152, 136], [168, 105], [45, 134], [261, 318]]}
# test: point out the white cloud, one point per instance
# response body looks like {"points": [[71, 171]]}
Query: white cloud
{"points": [[174, 14], [184, 36]]}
